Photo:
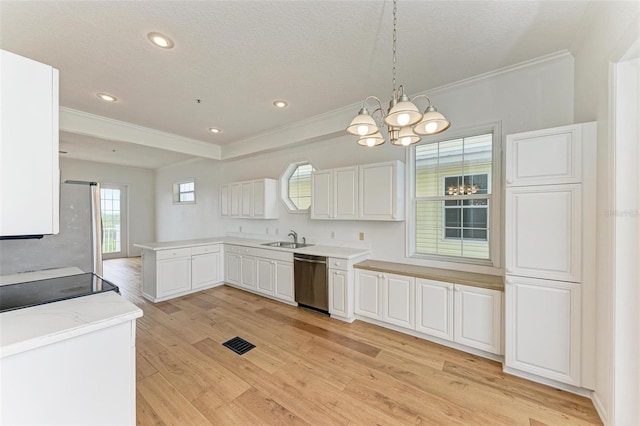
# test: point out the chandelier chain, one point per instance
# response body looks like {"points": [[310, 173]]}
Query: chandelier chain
{"points": [[395, 10]]}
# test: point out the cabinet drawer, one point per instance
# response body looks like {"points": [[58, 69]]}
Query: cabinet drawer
{"points": [[213, 248], [169, 254], [335, 263], [274, 254]]}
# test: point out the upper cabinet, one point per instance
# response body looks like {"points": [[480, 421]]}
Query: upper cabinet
{"points": [[29, 171], [367, 192], [256, 199], [545, 157]]}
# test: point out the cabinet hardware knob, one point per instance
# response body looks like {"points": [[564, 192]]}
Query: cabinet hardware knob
{"points": [[509, 270], [509, 180]]}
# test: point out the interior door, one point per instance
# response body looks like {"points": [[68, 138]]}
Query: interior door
{"points": [[113, 209]]}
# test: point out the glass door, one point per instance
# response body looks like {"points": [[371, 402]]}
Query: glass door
{"points": [[113, 209]]}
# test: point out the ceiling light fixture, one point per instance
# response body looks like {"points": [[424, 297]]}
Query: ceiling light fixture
{"points": [[280, 103], [106, 97], [403, 120], [214, 130], [160, 40]]}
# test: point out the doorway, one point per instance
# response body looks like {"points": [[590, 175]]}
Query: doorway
{"points": [[113, 209]]}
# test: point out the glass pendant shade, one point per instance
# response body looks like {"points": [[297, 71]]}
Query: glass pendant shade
{"points": [[363, 124], [405, 137], [432, 123], [371, 140], [404, 113]]}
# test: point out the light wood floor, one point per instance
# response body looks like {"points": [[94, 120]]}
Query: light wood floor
{"points": [[309, 369]]}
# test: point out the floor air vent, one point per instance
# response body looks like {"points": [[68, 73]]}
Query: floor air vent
{"points": [[239, 345]]}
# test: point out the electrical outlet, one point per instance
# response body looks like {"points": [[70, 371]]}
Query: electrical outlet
{"points": [[240, 230], [266, 230], [276, 231], [362, 236], [333, 234]]}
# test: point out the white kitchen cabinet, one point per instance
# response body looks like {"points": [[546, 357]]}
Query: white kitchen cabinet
{"points": [[543, 320], [236, 200], [369, 293], [338, 292], [398, 300], [381, 191], [265, 276], [246, 204], [173, 272], [284, 283], [546, 157], [434, 308], [205, 266], [248, 267], [256, 199], [29, 171], [334, 194], [544, 232], [225, 200], [478, 318], [232, 267]]}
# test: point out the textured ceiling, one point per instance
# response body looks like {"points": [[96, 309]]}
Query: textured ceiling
{"points": [[239, 56]]}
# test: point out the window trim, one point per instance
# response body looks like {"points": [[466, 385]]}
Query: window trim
{"points": [[176, 191], [284, 186], [491, 266]]}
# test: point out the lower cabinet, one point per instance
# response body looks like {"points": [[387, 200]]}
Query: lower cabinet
{"points": [[478, 318], [467, 315], [268, 272], [543, 320], [338, 293], [171, 273], [434, 308]]}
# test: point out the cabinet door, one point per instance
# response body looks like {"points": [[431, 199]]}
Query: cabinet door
{"points": [[248, 274], [345, 190], [236, 199], [232, 269], [246, 207], [205, 270], [174, 276], [478, 318], [398, 300], [29, 171], [542, 157], [434, 308], [381, 191], [265, 275], [322, 195], [543, 328], [225, 200], [284, 281], [369, 294], [338, 293], [543, 226], [258, 198]]}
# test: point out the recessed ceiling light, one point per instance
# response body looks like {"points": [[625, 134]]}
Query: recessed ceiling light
{"points": [[106, 97], [280, 103], [214, 130], [160, 40]]}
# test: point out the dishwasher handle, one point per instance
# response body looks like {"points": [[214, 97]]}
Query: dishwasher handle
{"points": [[299, 259]]}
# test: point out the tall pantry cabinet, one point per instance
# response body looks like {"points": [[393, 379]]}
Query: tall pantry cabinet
{"points": [[550, 254]]}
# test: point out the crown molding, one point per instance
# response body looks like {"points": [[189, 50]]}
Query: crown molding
{"points": [[84, 123]]}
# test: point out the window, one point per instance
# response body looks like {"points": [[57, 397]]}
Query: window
{"points": [[295, 184], [452, 199], [110, 214], [184, 192]]}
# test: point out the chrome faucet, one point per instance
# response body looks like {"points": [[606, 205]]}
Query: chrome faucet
{"points": [[293, 234]]}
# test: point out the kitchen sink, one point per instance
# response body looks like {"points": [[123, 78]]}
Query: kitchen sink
{"points": [[287, 244]]}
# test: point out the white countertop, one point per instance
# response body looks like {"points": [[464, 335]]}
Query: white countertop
{"points": [[317, 250], [29, 328]]}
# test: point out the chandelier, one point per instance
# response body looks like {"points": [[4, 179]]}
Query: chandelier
{"points": [[405, 124]]}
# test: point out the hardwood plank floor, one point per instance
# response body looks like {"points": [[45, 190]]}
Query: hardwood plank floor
{"points": [[309, 369]]}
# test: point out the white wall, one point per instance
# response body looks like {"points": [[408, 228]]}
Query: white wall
{"points": [[140, 185], [608, 30], [536, 96]]}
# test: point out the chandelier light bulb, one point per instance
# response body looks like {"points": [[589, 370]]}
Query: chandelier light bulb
{"points": [[431, 127], [363, 130], [406, 141], [371, 142], [403, 119]]}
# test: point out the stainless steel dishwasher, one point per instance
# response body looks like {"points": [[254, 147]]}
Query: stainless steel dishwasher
{"points": [[310, 277]]}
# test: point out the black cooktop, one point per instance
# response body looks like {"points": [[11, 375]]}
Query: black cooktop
{"points": [[32, 293]]}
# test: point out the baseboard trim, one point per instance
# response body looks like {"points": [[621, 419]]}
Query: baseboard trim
{"points": [[549, 382], [597, 403]]}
